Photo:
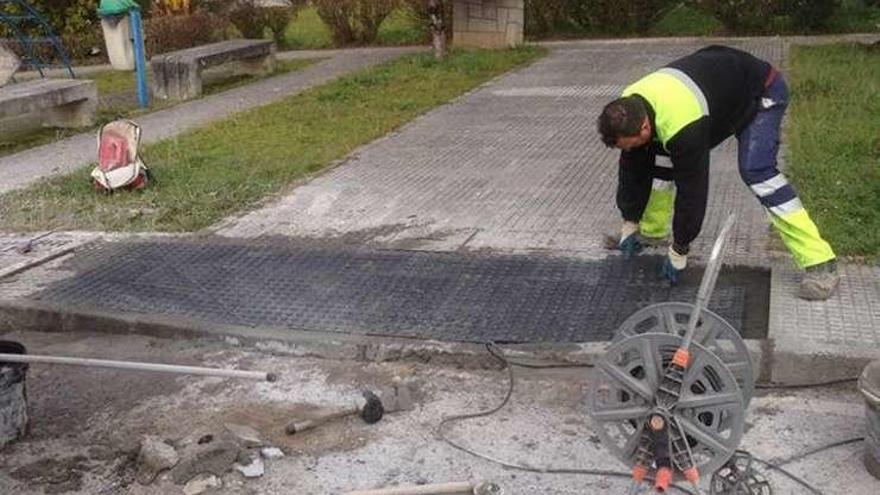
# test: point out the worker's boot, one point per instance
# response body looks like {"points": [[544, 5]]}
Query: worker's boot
{"points": [[819, 281]]}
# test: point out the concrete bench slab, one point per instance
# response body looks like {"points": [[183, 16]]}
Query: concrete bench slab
{"points": [[9, 63], [178, 75], [62, 102]]}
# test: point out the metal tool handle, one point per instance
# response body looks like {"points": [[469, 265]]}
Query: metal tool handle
{"points": [[135, 366], [710, 277], [463, 487]]}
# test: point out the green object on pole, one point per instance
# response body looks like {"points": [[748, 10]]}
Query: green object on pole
{"points": [[116, 7]]}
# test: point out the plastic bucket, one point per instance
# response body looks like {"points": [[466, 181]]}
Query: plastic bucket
{"points": [[13, 395], [869, 385]]}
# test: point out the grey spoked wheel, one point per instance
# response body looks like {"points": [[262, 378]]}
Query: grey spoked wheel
{"points": [[712, 332], [710, 411]]}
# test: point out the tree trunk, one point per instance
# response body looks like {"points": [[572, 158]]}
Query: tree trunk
{"points": [[438, 30]]}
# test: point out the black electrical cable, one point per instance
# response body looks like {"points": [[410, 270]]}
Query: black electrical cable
{"points": [[512, 465], [783, 386], [808, 453], [499, 355], [509, 365], [777, 466], [799, 480]]}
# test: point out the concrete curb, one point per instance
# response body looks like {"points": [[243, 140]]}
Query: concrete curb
{"points": [[16, 315]]}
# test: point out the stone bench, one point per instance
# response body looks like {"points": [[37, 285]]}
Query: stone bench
{"points": [[60, 102], [178, 75]]}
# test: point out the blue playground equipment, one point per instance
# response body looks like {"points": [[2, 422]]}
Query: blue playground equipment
{"points": [[31, 31]]}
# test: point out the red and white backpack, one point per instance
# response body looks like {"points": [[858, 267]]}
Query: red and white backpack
{"points": [[119, 165]]}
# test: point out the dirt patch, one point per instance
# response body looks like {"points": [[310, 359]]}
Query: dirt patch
{"points": [[63, 400], [59, 475], [341, 435]]}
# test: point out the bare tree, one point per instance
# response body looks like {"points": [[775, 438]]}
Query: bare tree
{"points": [[438, 28]]}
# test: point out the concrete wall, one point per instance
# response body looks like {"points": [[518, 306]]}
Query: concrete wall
{"points": [[487, 23]]}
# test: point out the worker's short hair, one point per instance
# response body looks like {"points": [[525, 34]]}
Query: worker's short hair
{"points": [[622, 117]]}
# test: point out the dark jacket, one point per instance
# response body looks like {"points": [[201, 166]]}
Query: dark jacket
{"points": [[732, 82]]}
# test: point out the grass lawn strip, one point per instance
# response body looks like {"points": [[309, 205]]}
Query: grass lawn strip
{"points": [[207, 174], [120, 86], [833, 152]]}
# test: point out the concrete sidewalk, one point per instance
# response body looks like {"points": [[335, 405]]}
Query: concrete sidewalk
{"points": [[515, 167], [65, 156]]}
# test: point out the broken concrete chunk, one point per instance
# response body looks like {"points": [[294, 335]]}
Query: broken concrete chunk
{"points": [[245, 435], [271, 453], [201, 484], [254, 469], [154, 457], [214, 457]]}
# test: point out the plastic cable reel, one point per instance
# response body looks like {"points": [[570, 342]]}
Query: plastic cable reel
{"points": [[683, 363], [710, 411], [712, 332]]}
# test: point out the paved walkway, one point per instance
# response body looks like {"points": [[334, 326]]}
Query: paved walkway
{"points": [[516, 167], [62, 157]]}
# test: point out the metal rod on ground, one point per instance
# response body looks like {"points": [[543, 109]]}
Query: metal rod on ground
{"points": [[135, 366], [462, 487]]}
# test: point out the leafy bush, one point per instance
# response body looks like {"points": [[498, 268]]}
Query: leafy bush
{"points": [[167, 33], [544, 17], [75, 22], [278, 18], [743, 16], [686, 20], [812, 15], [354, 21], [418, 11], [248, 18], [610, 16], [252, 20]]}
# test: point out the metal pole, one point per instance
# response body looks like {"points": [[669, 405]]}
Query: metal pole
{"points": [[135, 366], [438, 489], [139, 56], [710, 276]]}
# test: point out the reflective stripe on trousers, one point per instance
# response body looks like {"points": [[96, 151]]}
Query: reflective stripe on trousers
{"points": [[758, 145]]}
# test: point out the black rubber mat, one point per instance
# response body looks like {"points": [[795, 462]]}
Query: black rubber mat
{"points": [[443, 296]]}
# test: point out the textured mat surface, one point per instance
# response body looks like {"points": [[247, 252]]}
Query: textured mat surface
{"points": [[444, 296]]}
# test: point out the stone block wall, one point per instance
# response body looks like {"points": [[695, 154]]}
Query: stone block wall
{"points": [[487, 23]]}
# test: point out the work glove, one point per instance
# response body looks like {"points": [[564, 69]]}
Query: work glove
{"points": [[630, 240], [673, 265]]}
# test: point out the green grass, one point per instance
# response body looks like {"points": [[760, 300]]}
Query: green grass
{"points": [[210, 173], [308, 31], [685, 20], [855, 19], [114, 83], [833, 154], [400, 29]]}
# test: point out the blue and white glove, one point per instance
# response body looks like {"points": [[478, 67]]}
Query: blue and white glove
{"points": [[630, 240], [673, 265]]}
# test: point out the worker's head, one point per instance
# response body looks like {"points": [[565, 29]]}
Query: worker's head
{"points": [[624, 124]]}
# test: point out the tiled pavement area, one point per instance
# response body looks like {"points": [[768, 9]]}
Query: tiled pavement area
{"points": [[516, 166]]}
